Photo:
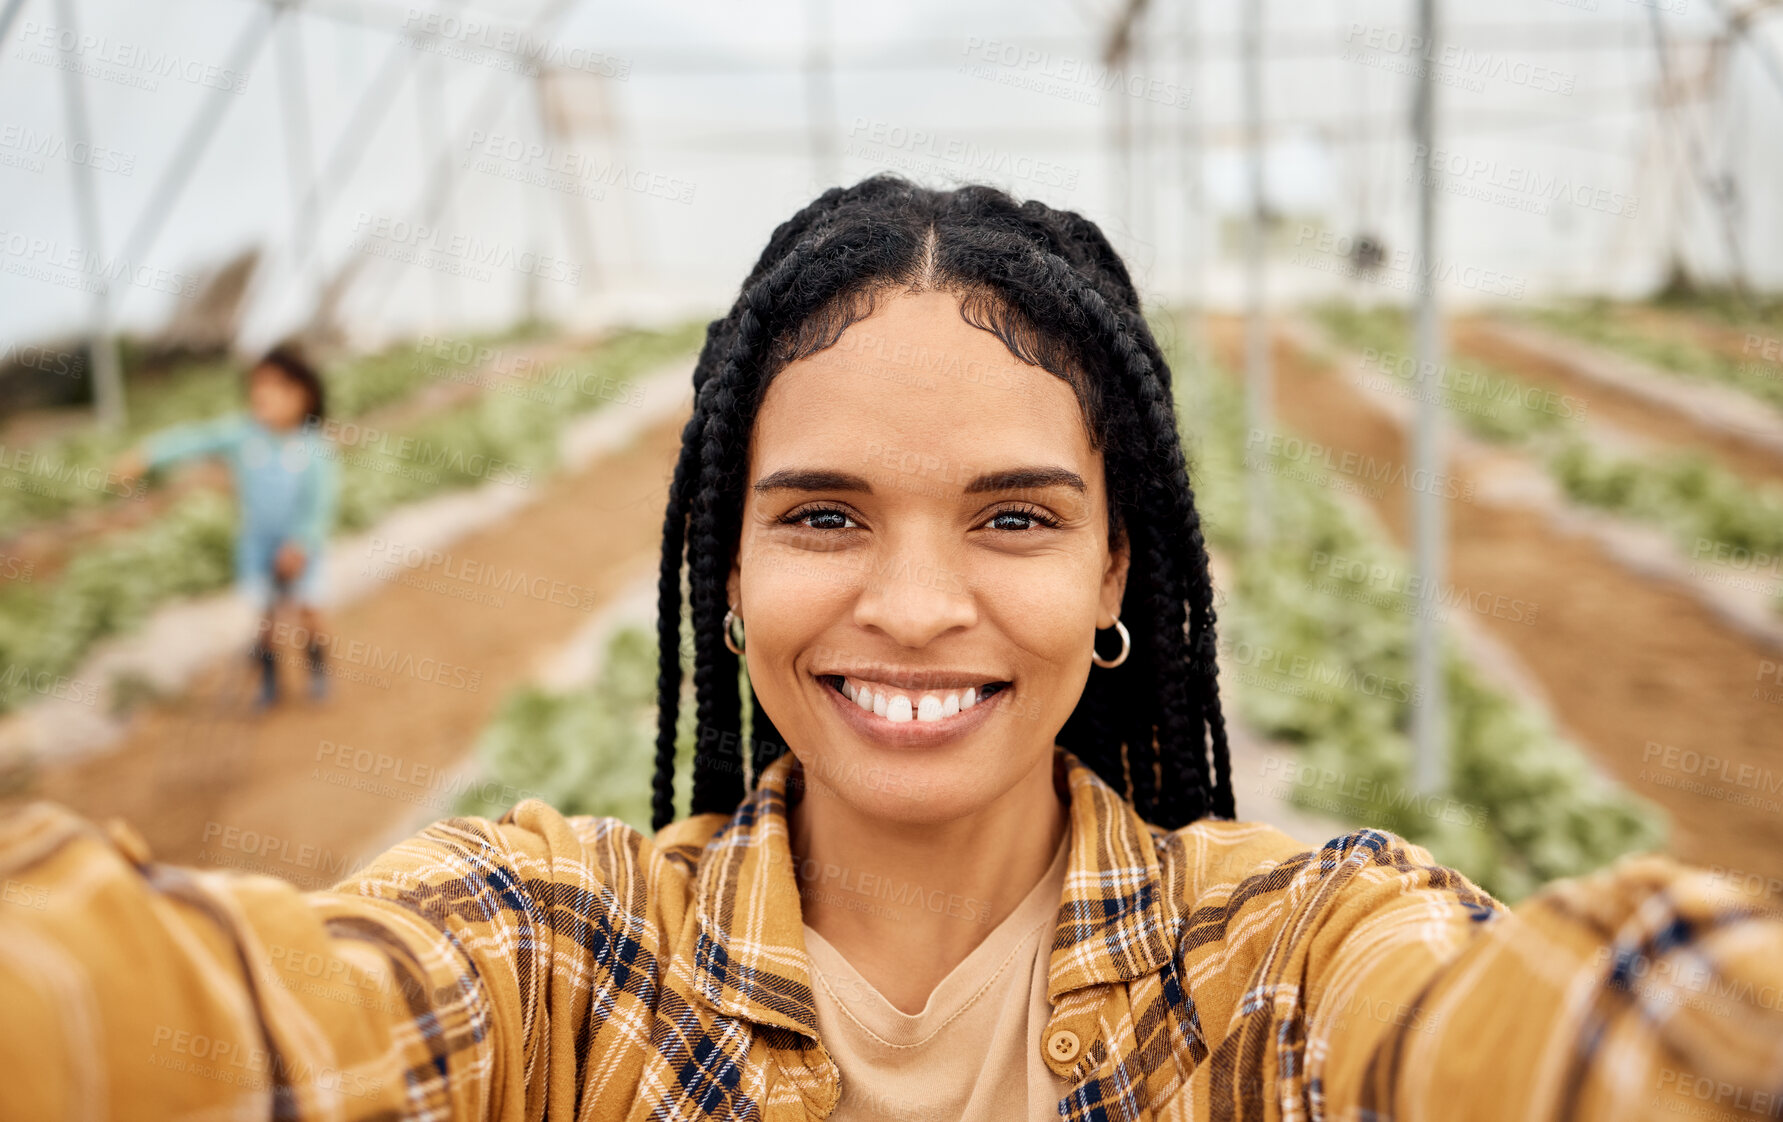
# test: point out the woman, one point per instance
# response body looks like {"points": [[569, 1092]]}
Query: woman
{"points": [[932, 495]]}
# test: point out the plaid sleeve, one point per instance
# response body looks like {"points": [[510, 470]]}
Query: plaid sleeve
{"points": [[458, 976], [1366, 981]]}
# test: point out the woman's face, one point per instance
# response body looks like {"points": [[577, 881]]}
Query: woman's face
{"points": [[924, 560]]}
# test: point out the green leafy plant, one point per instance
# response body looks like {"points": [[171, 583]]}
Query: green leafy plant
{"points": [[589, 751], [1684, 492], [1603, 324], [1523, 807], [46, 626], [1490, 402]]}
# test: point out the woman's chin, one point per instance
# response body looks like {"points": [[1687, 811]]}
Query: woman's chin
{"points": [[898, 786]]}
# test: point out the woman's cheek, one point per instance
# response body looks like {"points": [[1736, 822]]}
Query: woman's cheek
{"points": [[790, 598], [1047, 605]]}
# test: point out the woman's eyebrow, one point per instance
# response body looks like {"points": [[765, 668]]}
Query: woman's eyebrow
{"points": [[811, 479], [1026, 479], [1009, 479]]}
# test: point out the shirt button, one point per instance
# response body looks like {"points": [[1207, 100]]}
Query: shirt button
{"points": [[1062, 1046]]}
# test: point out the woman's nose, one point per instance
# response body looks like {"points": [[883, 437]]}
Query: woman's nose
{"points": [[914, 596]]}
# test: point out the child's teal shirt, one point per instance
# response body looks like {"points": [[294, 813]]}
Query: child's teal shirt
{"points": [[285, 481]]}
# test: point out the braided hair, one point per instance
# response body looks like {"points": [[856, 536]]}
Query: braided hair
{"points": [[1050, 286]]}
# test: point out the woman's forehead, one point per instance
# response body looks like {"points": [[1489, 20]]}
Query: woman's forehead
{"points": [[915, 383]]}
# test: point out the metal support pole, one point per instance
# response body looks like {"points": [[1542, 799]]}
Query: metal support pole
{"points": [[343, 156], [102, 351], [1429, 529], [198, 136], [1259, 391], [1141, 145], [430, 108], [1194, 281], [820, 95], [7, 15], [554, 127], [294, 106], [497, 93]]}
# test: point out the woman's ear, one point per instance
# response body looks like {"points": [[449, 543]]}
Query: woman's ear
{"points": [[1114, 580], [733, 585]]}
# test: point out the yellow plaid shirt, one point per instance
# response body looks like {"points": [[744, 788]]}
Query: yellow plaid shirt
{"points": [[573, 968]]}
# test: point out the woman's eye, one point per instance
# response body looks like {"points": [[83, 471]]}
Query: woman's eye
{"points": [[824, 520], [1020, 519]]}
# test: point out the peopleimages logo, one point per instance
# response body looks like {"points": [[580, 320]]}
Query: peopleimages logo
{"points": [[31, 464], [1533, 183], [429, 246], [565, 169], [519, 49], [49, 260], [1452, 63], [1079, 79], [112, 59], [33, 147], [1324, 250], [917, 149], [389, 558]]}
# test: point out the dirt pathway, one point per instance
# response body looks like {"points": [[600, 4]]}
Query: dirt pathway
{"points": [[1668, 699], [420, 667], [1625, 410]]}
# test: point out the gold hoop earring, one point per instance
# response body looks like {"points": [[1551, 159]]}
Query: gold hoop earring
{"points": [[730, 632], [1126, 648]]}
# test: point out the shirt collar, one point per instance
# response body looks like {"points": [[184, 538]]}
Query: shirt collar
{"points": [[749, 954]]}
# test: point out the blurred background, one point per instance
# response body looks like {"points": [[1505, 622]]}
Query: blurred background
{"points": [[1472, 310]]}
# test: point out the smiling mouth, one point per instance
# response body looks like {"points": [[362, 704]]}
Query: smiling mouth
{"points": [[896, 704]]}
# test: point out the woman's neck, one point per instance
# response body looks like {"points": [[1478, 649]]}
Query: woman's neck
{"points": [[904, 904]]}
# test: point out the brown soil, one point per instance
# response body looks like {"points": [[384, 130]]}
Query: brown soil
{"points": [[1648, 679], [1702, 330], [1752, 462], [303, 791]]}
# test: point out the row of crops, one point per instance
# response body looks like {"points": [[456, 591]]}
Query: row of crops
{"points": [[1735, 346], [1523, 805], [68, 473], [1686, 493], [506, 434]]}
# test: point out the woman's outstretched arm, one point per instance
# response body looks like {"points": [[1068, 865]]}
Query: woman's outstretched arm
{"points": [[448, 979], [1364, 980]]}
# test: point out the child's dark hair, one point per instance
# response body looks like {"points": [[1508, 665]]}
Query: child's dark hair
{"points": [[288, 359], [1051, 287]]}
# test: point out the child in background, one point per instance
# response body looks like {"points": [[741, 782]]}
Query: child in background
{"points": [[286, 483]]}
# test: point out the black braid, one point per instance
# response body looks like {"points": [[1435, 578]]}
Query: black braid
{"points": [[1128, 338], [1050, 285], [668, 591]]}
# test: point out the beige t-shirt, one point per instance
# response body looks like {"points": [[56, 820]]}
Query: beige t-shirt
{"points": [[973, 1052]]}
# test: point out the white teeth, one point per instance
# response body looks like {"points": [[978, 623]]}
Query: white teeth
{"points": [[901, 707]]}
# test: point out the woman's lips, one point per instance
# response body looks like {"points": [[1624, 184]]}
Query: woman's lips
{"points": [[911, 717]]}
